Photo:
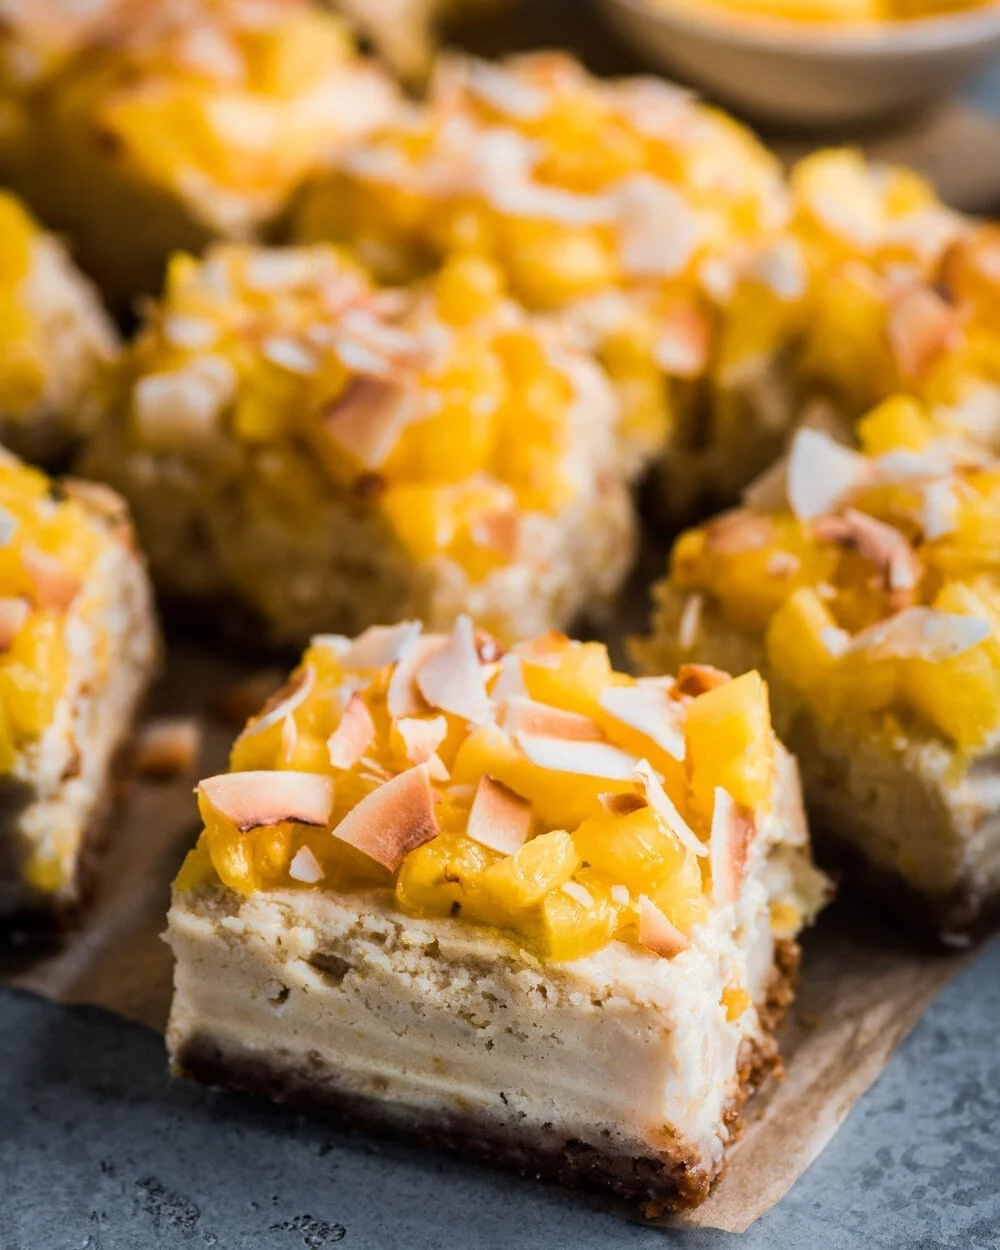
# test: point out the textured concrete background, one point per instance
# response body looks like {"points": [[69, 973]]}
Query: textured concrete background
{"points": [[99, 1151]]}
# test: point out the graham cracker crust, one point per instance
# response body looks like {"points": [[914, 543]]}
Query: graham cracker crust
{"points": [[673, 1180]]}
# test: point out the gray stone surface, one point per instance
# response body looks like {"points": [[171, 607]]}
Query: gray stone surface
{"points": [[100, 1151]]}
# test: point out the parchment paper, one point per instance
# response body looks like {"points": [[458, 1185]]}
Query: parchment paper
{"points": [[862, 987]]}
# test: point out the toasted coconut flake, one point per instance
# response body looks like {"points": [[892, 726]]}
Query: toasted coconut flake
{"points": [[822, 474], [524, 715], [884, 545], [168, 747], [578, 893], [421, 739], [380, 646], [921, 324], [663, 805], [13, 614], [689, 625], [546, 651], [403, 697], [368, 419], [283, 702], [585, 759], [488, 648], [509, 683], [255, 800], [499, 818], [498, 531], [305, 867], [729, 846], [682, 347], [622, 804], [353, 736], [649, 710], [620, 895], [738, 531], [921, 634], [52, 583], [393, 820], [657, 933], [696, 679], [452, 678]]}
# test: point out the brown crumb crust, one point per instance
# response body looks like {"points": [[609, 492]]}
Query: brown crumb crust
{"points": [[672, 1181]]}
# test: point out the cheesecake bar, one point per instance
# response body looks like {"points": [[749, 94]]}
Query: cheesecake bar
{"points": [[157, 126], [304, 452], [861, 295], [626, 205], [77, 649], [55, 339], [863, 584], [513, 903]]}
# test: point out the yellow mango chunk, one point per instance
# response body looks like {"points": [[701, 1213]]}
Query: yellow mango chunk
{"points": [[795, 641], [898, 422], [572, 927], [522, 880], [635, 849], [730, 744]]}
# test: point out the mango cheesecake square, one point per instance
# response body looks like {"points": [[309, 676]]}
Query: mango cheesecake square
{"points": [[625, 205], [513, 903], [863, 293], [304, 452], [863, 584], [78, 645], [55, 340], [150, 127]]}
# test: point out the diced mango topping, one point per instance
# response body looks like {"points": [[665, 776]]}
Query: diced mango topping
{"points": [[443, 408], [873, 590], [22, 346], [48, 545], [485, 788], [233, 100]]}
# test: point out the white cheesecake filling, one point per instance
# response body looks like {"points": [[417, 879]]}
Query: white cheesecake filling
{"points": [[624, 1050]]}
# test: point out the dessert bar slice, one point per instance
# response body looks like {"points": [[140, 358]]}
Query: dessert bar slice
{"points": [[55, 339], [77, 648], [516, 903], [865, 587], [304, 452], [150, 127]]}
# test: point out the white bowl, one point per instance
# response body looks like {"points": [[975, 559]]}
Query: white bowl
{"points": [[803, 75]]}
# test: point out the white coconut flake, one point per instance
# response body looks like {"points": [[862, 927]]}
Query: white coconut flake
{"points": [[822, 474], [658, 231], [504, 92], [620, 895], [921, 633], [452, 678], [305, 867], [940, 510], [781, 268], [689, 625], [300, 690], [509, 683], [8, 527], [663, 806], [584, 759], [578, 893], [287, 354], [651, 712], [380, 645]]}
